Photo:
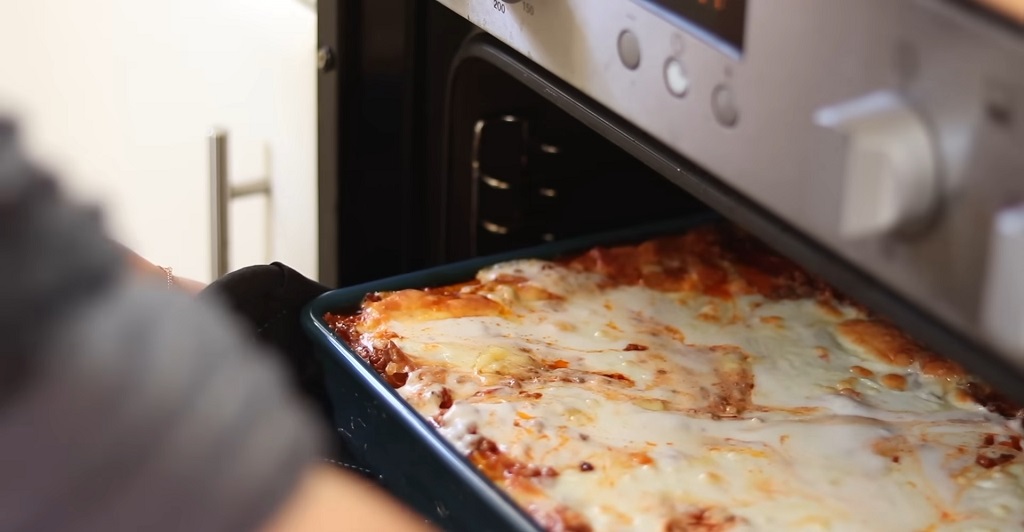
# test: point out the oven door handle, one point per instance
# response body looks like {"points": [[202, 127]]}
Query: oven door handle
{"points": [[221, 193]]}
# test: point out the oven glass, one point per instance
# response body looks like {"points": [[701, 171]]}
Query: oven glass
{"points": [[723, 20]]}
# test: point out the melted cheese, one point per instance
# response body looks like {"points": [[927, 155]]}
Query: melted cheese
{"points": [[660, 410]]}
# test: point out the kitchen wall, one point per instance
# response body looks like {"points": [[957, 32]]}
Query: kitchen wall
{"points": [[118, 96]]}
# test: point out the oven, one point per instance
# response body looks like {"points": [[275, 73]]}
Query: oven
{"points": [[876, 143]]}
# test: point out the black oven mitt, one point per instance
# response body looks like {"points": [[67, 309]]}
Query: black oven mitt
{"points": [[269, 299]]}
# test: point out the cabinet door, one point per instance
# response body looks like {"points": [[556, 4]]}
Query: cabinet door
{"points": [[119, 96]]}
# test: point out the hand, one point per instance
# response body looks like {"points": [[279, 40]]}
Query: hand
{"points": [[329, 499], [143, 267], [1011, 8]]}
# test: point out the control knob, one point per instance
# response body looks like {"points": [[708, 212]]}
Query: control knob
{"points": [[891, 180], [1002, 310]]}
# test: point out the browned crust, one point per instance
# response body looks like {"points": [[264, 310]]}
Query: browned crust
{"points": [[386, 358], [498, 466], [560, 519], [994, 401], [996, 450], [734, 384], [709, 519], [888, 344], [449, 302], [718, 260]]}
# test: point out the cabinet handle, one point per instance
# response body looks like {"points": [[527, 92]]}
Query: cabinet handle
{"points": [[221, 193]]}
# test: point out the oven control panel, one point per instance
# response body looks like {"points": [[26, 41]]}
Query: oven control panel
{"points": [[890, 132]]}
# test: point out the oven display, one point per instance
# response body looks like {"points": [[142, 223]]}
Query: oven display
{"points": [[722, 19]]}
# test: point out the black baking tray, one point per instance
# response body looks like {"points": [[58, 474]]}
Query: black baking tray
{"points": [[381, 430]]}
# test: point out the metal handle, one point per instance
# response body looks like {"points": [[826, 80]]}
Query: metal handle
{"points": [[222, 192]]}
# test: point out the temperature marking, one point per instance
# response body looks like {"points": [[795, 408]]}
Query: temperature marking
{"points": [[500, 7]]}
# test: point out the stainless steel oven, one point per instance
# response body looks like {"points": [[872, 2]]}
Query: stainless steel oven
{"points": [[878, 143]]}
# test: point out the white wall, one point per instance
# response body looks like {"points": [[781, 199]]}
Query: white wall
{"points": [[118, 95]]}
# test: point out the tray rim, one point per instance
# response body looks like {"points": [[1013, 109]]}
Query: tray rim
{"points": [[347, 298]]}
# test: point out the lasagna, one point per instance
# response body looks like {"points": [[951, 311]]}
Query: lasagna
{"points": [[695, 382]]}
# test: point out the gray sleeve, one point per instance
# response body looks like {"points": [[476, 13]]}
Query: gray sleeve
{"points": [[149, 413], [130, 408]]}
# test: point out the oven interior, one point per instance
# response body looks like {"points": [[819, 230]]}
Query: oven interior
{"points": [[467, 159], [522, 172]]}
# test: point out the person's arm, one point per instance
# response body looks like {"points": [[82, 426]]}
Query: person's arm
{"points": [[146, 410], [140, 266], [127, 406], [315, 506], [1011, 8]]}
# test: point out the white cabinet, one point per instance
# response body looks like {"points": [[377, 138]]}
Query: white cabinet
{"points": [[118, 96]]}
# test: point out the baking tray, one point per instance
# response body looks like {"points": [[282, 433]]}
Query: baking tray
{"points": [[383, 432]]}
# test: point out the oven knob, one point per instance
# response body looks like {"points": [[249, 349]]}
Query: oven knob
{"points": [[1002, 313], [891, 179]]}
